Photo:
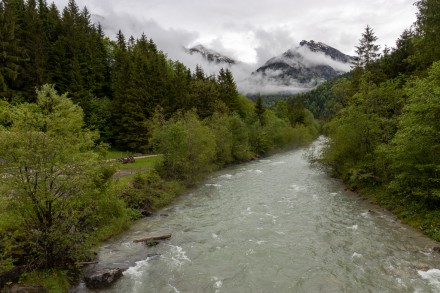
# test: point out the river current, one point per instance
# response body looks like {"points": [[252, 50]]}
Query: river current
{"points": [[273, 225]]}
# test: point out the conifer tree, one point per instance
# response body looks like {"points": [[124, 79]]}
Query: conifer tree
{"points": [[12, 55], [259, 110], [35, 42], [227, 89], [367, 51], [428, 33]]}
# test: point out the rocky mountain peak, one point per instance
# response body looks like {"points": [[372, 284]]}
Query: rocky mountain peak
{"points": [[306, 65], [210, 55], [327, 50]]}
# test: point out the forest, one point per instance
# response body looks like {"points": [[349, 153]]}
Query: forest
{"points": [[67, 94], [383, 121]]}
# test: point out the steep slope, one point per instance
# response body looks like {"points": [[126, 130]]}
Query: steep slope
{"points": [[211, 55], [309, 64]]}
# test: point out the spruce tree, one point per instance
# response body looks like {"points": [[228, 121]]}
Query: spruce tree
{"points": [[367, 51], [12, 54], [259, 110], [428, 33], [227, 89], [35, 42]]}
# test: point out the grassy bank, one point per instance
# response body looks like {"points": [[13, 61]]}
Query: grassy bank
{"points": [[116, 194], [60, 280]]}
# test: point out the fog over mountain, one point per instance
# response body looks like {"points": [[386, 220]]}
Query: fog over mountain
{"points": [[252, 33], [298, 69]]}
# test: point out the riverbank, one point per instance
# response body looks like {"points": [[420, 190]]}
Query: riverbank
{"points": [[144, 192], [275, 224], [417, 214]]}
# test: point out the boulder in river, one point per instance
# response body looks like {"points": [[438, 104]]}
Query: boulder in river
{"points": [[146, 212], [436, 249], [102, 278]]}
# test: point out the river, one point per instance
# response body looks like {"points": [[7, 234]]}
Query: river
{"points": [[273, 225]]}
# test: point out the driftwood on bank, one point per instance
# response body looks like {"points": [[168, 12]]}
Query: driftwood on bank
{"points": [[152, 238]]}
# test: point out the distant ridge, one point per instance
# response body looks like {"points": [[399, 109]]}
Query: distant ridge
{"points": [[310, 64], [211, 55]]}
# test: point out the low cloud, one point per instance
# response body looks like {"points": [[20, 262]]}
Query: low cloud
{"points": [[173, 41], [259, 84]]}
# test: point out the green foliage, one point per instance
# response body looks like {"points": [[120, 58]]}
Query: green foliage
{"points": [[427, 37], [57, 199], [228, 93], [367, 51], [12, 54], [218, 124], [241, 149], [385, 138], [259, 110], [416, 145], [54, 181], [141, 164], [55, 281], [149, 191], [327, 99], [245, 107], [188, 147]]}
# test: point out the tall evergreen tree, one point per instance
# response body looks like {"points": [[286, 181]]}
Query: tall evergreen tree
{"points": [[259, 110], [367, 51], [227, 89], [428, 33], [12, 54], [35, 42]]}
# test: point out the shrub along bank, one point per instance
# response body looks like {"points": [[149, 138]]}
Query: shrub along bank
{"points": [[58, 199]]}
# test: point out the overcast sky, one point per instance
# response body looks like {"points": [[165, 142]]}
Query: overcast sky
{"points": [[253, 31]]}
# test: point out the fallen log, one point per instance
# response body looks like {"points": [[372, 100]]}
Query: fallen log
{"points": [[152, 238]]}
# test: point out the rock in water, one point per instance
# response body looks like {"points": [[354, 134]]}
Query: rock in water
{"points": [[102, 278]]}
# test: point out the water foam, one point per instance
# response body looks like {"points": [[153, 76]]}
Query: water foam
{"points": [[137, 271], [365, 214], [178, 256], [217, 282], [213, 185], [277, 163], [273, 217], [432, 276], [226, 176], [356, 255], [247, 212], [401, 283], [295, 187]]}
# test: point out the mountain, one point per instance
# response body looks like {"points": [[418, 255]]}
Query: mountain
{"points": [[211, 55], [309, 64]]}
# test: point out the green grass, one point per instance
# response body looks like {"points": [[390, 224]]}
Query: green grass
{"points": [[56, 281], [125, 180], [115, 153], [143, 164]]}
